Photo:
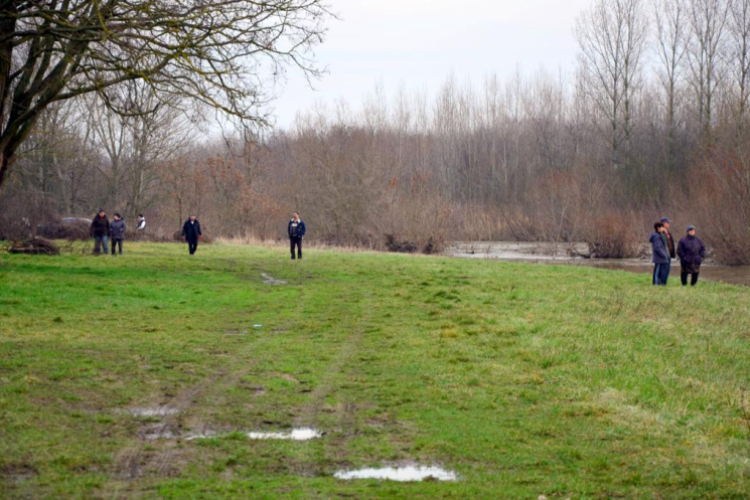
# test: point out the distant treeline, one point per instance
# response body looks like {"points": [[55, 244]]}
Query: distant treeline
{"points": [[652, 121]]}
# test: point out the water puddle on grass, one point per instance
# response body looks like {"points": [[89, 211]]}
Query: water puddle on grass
{"points": [[158, 432], [300, 434], [153, 411], [402, 474], [270, 280]]}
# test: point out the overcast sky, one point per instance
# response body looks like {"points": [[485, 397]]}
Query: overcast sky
{"points": [[417, 43]]}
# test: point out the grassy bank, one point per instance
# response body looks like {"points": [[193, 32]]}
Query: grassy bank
{"points": [[524, 379]]}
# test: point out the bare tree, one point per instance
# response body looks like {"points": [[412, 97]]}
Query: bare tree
{"points": [[134, 144], [671, 45], [739, 52], [222, 53], [613, 36], [708, 20]]}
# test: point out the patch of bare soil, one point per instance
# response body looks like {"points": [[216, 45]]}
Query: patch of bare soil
{"points": [[17, 473], [270, 280]]}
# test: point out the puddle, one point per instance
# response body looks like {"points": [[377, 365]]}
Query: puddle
{"points": [[569, 253], [257, 326], [403, 474], [201, 435], [270, 280], [156, 411], [301, 434], [158, 432]]}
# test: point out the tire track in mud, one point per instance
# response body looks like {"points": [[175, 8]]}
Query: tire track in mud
{"points": [[329, 382], [133, 462]]}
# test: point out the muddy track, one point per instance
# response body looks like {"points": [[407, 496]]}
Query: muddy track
{"points": [[132, 461]]}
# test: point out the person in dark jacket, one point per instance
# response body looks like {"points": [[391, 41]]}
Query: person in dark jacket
{"points": [[659, 254], [117, 232], [191, 232], [296, 230], [100, 231], [692, 251], [667, 234]]}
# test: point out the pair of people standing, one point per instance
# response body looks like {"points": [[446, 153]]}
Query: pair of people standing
{"points": [[102, 230], [690, 250]]}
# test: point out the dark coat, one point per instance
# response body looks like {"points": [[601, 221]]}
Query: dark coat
{"points": [[659, 253], [99, 226], [117, 229], [191, 231], [300, 229], [670, 244], [692, 251]]}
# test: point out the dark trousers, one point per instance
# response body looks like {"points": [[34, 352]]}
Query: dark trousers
{"points": [[693, 278], [192, 246], [115, 242], [296, 241], [667, 268], [661, 273], [99, 242]]}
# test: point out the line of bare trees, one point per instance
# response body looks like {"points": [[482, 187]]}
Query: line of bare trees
{"points": [[653, 120]]}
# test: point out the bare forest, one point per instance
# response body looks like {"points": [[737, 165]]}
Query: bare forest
{"points": [[653, 120]]}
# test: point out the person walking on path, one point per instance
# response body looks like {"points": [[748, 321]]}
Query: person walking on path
{"points": [[296, 230], [659, 254], [191, 232], [692, 251], [117, 232], [670, 245], [100, 231]]}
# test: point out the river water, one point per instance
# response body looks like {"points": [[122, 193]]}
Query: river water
{"points": [[552, 253]]}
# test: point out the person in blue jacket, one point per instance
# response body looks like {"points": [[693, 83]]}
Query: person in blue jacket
{"points": [[296, 230], [659, 255]]}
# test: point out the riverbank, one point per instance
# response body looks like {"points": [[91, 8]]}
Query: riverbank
{"points": [[157, 374], [571, 254]]}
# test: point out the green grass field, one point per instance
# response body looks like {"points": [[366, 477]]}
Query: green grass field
{"points": [[525, 380]]}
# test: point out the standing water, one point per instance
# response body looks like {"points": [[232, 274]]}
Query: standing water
{"points": [[554, 253]]}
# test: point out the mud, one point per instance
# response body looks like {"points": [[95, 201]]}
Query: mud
{"points": [[18, 473], [158, 431], [235, 332], [270, 280], [402, 474], [152, 411]]}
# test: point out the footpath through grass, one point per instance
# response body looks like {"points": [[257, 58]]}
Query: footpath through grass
{"points": [[523, 379]]}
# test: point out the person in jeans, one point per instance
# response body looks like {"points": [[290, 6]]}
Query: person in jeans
{"points": [[296, 230], [117, 232], [659, 254], [669, 240], [100, 231], [692, 251], [191, 232]]}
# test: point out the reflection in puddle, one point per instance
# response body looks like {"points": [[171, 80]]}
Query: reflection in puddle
{"points": [[408, 473], [158, 411], [301, 434]]}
